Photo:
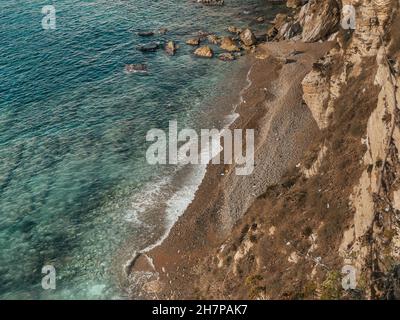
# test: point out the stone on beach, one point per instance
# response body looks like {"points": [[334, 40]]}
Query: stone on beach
{"points": [[204, 52]]}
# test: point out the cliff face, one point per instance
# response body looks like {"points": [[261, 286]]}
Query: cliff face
{"points": [[341, 205], [371, 242]]}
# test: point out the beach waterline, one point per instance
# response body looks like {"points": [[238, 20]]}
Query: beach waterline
{"points": [[75, 187]]}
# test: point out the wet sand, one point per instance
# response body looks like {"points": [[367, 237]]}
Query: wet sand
{"points": [[272, 105]]}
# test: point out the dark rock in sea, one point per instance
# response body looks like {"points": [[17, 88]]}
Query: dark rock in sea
{"points": [[136, 68], [226, 56], [149, 47], [170, 48], [146, 33]]}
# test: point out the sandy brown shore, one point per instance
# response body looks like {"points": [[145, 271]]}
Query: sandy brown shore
{"points": [[272, 105]]}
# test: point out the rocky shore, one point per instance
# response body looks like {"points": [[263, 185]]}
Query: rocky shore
{"points": [[325, 192]]}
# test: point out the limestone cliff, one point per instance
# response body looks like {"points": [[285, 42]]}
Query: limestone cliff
{"points": [[340, 205]]}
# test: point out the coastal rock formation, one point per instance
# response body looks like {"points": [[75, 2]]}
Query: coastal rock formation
{"points": [[204, 52], [319, 19]]}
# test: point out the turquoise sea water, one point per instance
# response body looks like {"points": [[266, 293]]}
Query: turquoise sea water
{"points": [[74, 184]]}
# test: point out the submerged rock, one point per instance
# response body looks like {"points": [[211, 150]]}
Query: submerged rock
{"points": [[228, 44], [162, 30], [146, 33], [260, 19], [211, 2], [193, 42], [170, 48], [136, 68], [149, 47], [204, 52], [203, 34], [248, 38], [226, 56], [213, 39], [235, 30]]}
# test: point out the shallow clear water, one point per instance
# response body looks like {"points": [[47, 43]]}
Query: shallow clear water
{"points": [[74, 184]]}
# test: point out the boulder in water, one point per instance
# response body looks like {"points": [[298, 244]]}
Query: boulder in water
{"points": [[226, 56], [193, 42], [228, 44], [204, 52], [170, 48]]}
